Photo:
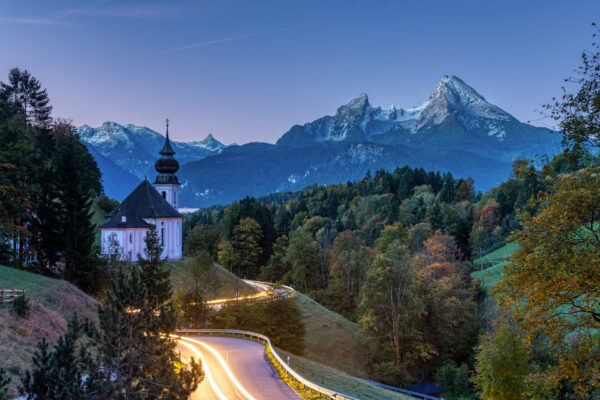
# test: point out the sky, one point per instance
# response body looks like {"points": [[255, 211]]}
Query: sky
{"points": [[247, 71]]}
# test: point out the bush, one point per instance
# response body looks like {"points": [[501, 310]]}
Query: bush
{"points": [[21, 306], [455, 381]]}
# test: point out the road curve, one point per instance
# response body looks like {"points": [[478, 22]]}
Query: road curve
{"points": [[235, 369]]}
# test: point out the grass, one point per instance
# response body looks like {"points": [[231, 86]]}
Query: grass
{"points": [[335, 380], [497, 255], [494, 264], [53, 302], [490, 275], [224, 283], [331, 339]]}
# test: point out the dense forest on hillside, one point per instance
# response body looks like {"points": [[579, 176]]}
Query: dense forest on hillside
{"points": [[408, 233]]}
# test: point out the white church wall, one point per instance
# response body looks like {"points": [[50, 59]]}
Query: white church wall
{"points": [[170, 192]]}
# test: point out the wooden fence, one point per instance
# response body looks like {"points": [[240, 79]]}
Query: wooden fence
{"points": [[9, 295]]}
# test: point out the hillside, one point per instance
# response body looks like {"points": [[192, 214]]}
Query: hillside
{"points": [[336, 380], [223, 284], [53, 302], [493, 265], [331, 339]]}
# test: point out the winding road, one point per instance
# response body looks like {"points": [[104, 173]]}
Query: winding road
{"points": [[235, 369]]}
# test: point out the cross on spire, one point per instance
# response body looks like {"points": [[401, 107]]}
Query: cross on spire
{"points": [[167, 127]]}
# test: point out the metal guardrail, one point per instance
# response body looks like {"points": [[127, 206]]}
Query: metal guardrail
{"points": [[9, 295], [397, 389], [332, 394]]}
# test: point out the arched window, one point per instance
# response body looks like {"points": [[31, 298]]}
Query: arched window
{"points": [[131, 238], [174, 199], [164, 194]]}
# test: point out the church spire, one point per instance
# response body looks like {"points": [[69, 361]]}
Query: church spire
{"points": [[167, 150], [166, 165]]}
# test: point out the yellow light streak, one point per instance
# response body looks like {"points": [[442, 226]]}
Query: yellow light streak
{"points": [[209, 376], [223, 364]]}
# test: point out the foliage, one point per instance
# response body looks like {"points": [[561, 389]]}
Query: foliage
{"points": [[455, 381], [551, 284], [502, 364], [134, 355], [278, 318], [4, 381], [47, 185], [578, 112], [21, 306]]}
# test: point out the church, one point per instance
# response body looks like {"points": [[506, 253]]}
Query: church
{"points": [[146, 207]]}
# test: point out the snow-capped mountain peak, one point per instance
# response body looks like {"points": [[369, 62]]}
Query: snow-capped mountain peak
{"points": [[135, 148]]}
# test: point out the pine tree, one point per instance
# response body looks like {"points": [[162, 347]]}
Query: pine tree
{"points": [[58, 374], [77, 230], [26, 92], [4, 381], [136, 319]]}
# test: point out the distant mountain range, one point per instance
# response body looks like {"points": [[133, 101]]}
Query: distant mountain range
{"points": [[455, 130]]}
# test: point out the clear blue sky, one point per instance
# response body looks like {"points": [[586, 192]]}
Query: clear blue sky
{"points": [[248, 70]]}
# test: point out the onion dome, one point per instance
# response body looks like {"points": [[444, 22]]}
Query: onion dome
{"points": [[166, 165]]}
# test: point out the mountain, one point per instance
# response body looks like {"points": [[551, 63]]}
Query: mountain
{"points": [[455, 116], [456, 130], [126, 152]]}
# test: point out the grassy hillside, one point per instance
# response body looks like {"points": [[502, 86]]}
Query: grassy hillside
{"points": [[331, 339], [497, 255], [53, 302], [493, 265], [223, 283], [336, 380]]}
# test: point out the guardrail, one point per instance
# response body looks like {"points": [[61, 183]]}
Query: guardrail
{"points": [[9, 295], [399, 390], [332, 394]]}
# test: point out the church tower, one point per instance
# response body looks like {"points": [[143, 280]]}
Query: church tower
{"points": [[166, 182]]}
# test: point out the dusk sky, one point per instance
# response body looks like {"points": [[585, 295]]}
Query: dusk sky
{"points": [[248, 70]]}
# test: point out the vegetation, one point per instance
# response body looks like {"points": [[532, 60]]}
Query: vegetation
{"points": [[335, 380], [47, 186], [21, 307], [544, 339], [135, 356]]}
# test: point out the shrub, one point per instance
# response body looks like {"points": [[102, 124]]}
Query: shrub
{"points": [[21, 306], [4, 381]]}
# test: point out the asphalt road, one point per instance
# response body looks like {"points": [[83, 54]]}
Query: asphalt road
{"points": [[235, 369]]}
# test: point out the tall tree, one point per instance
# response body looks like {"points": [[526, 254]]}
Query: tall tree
{"points": [[25, 91], [75, 200], [551, 285], [135, 321], [578, 112]]}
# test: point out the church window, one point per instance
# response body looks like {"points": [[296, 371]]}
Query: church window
{"points": [[162, 236], [130, 254], [174, 198], [130, 238], [164, 195]]}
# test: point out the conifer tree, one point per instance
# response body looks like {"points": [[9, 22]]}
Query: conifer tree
{"points": [[4, 381], [136, 319], [77, 230], [25, 91]]}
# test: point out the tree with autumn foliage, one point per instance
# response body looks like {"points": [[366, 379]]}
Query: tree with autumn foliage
{"points": [[552, 284]]}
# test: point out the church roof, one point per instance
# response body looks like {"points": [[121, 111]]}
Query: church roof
{"points": [[143, 202], [131, 221]]}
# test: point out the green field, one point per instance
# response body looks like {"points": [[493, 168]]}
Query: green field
{"points": [[497, 255], [335, 380], [493, 265]]}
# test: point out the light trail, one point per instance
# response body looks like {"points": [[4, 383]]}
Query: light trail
{"points": [[230, 374], [209, 376]]}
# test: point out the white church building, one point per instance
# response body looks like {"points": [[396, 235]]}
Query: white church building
{"points": [[145, 207]]}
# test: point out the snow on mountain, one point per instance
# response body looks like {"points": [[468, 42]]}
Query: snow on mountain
{"points": [[135, 148]]}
